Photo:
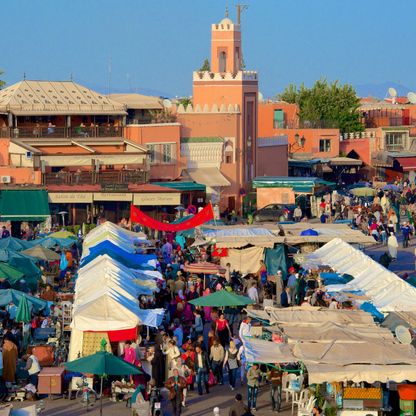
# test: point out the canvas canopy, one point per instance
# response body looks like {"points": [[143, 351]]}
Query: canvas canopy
{"points": [[370, 373], [109, 310], [124, 239], [131, 260], [246, 260], [341, 316], [328, 331], [261, 351], [387, 290], [104, 271]]}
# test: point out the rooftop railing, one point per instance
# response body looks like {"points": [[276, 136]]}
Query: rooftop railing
{"points": [[54, 132], [93, 178]]}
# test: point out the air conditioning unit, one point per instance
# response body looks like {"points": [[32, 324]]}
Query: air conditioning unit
{"points": [[6, 179]]}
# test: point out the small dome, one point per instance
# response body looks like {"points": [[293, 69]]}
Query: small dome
{"points": [[226, 21]]}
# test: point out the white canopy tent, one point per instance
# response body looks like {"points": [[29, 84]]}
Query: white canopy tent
{"points": [[95, 273], [125, 239], [387, 291]]}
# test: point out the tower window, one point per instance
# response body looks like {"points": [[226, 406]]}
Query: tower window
{"points": [[223, 62]]}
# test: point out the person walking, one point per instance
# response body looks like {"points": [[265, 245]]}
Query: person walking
{"points": [[216, 356], [175, 385], [406, 234], [275, 378], [233, 363], [202, 368], [253, 375], [392, 246], [223, 330]]}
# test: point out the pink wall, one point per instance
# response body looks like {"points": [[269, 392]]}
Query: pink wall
{"points": [[158, 133], [360, 146], [272, 161], [312, 138]]}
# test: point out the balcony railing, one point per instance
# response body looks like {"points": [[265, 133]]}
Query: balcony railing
{"points": [[61, 132], [92, 178]]}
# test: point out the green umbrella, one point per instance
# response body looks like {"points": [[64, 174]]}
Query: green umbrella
{"points": [[222, 298], [42, 253], [363, 191], [23, 311], [10, 273], [102, 363]]}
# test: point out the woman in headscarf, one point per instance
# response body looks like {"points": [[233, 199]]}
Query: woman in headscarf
{"points": [[10, 355]]}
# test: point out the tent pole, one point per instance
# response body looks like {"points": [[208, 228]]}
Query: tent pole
{"points": [[101, 396]]}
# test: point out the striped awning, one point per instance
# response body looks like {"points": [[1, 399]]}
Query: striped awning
{"points": [[204, 268]]}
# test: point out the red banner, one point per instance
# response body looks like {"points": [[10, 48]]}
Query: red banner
{"points": [[202, 217], [219, 252]]}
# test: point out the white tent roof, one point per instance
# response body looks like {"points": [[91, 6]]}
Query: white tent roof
{"points": [[125, 239], [328, 331], [104, 264], [388, 292], [106, 310], [370, 373]]}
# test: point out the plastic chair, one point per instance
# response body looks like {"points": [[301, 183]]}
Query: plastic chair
{"points": [[286, 380], [307, 410], [301, 401]]}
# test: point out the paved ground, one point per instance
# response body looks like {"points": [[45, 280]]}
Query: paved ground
{"points": [[220, 396]]}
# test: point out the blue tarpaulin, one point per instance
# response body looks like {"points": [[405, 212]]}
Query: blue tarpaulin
{"points": [[275, 259], [309, 232], [334, 278], [133, 261], [370, 308]]}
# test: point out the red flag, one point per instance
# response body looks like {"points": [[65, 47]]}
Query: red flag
{"points": [[202, 217], [219, 252]]}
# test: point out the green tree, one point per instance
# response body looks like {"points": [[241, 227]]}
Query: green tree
{"points": [[205, 66], [2, 83], [185, 101], [326, 104]]}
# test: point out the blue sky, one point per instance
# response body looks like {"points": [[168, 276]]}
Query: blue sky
{"points": [[155, 45]]}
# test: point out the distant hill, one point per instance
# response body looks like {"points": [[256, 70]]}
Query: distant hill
{"points": [[381, 90]]}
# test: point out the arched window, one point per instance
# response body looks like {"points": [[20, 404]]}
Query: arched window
{"points": [[223, 62]]}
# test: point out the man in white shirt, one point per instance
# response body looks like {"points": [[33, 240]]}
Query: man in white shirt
{"points": [[245, 328], [252, 293]]}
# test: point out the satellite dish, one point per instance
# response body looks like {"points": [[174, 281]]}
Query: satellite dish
{"points": [[167, 103], [392, 92], [411, 97], [403, 334], [260, 96]]}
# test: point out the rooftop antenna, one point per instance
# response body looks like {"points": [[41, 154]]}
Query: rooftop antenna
{"points": [[24, 76], [226, 11], [393, 94], [411, 96], [71, 76], [240, 8]]}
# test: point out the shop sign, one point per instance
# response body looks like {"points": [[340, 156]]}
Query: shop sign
{"points": [[108, 187], [159, 198], [112, 196], [70, 197]]}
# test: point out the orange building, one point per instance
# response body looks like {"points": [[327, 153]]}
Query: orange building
{"points": [[225, 106], [281, 118]]}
